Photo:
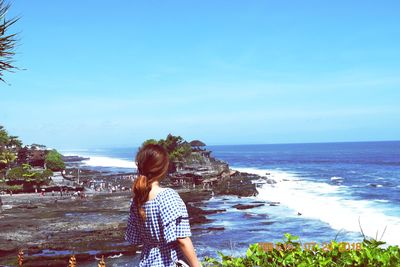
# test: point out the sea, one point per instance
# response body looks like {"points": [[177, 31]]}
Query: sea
{"points": [[326, 191]]}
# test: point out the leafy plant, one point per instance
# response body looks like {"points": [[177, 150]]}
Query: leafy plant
{"points": [[9, 145], [176, 146], [16, 173], [7, 41], [7, 157], [13, 188], [25, 175], [54, 161], [290, 252]]}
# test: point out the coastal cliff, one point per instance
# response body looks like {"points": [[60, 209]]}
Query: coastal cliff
{"points": [[192, 166], [200, 169]]}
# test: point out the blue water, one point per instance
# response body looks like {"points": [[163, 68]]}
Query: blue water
{"points": [[333, 186], [362, 165]]}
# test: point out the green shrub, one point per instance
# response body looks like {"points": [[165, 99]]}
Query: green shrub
{"points": [[54, 161], [292, 253], [16, 173], [14, 188], [25, 175], [176, 146], [47, 173], [42, 177]]}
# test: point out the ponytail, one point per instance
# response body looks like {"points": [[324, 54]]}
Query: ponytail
{"points": [[152, 162], [141, 189]]}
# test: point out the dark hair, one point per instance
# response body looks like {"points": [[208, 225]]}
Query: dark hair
{"points": [[152, 165]]}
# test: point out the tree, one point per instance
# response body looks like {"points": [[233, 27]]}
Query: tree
{"points": [[150, 141], [171, 143], [7, 157], [7, 41], [23, 155], [37, 158], [176, 147], [197, 143], [9, 146], [54, 161], [4, 138], [38, 147], [28, 178], [14, 143], [17, 173]]}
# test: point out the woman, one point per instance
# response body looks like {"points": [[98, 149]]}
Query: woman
{"points": [[158, 216]]}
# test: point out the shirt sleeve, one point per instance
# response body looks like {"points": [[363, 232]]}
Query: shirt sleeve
{"points": [[132, 234], [174, 216]]}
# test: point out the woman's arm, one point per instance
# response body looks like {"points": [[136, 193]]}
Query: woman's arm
{"points": [[188, 250]]}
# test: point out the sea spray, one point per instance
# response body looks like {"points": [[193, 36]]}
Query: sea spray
{"points": [[332, 204]]}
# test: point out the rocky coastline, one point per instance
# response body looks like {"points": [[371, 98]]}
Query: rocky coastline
{"points": [[51, 228]]}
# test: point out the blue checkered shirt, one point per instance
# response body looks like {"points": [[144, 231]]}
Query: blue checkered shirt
{"points": [[166, 220]]}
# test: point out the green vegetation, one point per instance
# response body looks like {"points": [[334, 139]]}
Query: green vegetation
{"points": [[54, 161], [290, 252], [176, 146], [14, 188], [25, 173], [9, 146], [26, 178], [7, 158], [16, 172], [7, 41]]}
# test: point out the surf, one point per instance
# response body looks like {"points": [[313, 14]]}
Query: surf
{"points": [[332, 204]]}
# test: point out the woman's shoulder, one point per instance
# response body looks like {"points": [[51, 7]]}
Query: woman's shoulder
{"points": [[169, 197], [171, 206], [167, 193]]}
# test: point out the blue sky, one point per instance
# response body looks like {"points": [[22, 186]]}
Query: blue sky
{"points": [[114, 73]]}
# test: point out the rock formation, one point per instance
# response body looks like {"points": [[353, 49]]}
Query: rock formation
{"points": [[200, 169]]}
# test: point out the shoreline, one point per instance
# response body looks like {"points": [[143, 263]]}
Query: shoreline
{"points": [[50, 228], [191, 199]]}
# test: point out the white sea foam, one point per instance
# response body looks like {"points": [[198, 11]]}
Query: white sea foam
{"points": [[337, 179], [329, 203], [69, 153], [381, 200], [98, 161]]}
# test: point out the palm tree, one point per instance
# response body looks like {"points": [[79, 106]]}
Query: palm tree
{"points": [[7, 41]]}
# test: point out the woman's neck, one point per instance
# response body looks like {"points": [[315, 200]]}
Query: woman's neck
{"points": [[155, 184]]}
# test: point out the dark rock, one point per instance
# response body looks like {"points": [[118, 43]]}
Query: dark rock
{"points": [[213, 211], [26, 206], [246, 206], [238, 185], [375, 185], [197, 215], [267, 223], [68, 159], [198, 219], [216, 228]]}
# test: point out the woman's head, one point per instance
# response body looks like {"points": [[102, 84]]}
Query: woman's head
{"points": [[152, 164]]}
